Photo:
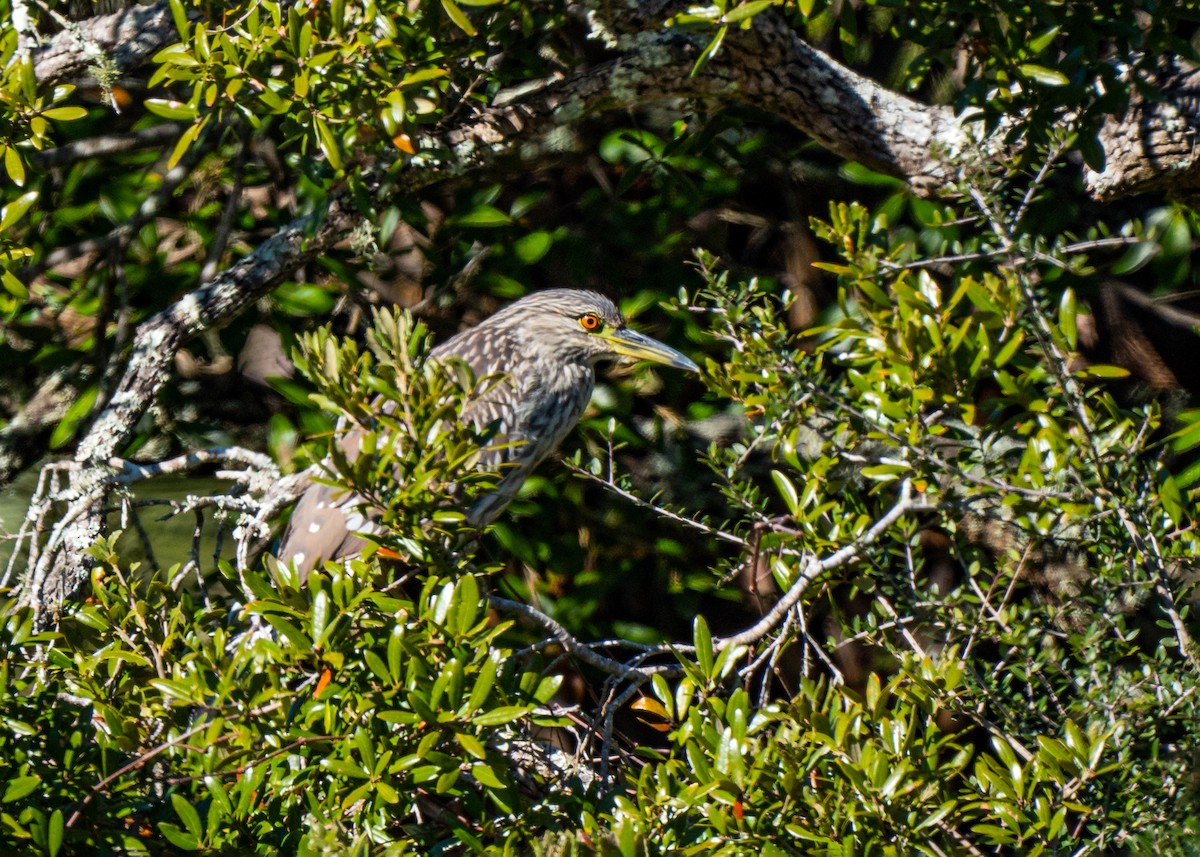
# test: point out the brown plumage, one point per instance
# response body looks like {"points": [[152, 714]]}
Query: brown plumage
{"points": [[546, 345]]}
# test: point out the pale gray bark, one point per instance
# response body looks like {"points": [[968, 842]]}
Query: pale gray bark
{"points": [[119, 42], [64, 567], [767, 65], [1156, 144]]}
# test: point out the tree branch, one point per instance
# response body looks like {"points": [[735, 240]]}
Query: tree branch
{"points": [[119, 42], [1156, 144], [61, 574]]}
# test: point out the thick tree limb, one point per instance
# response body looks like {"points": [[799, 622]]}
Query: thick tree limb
{"points": [[60, 574], [767, 65], [119, 43], [1156, 144]]}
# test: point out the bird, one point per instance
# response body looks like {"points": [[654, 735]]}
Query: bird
{"points": [[545, 348]]}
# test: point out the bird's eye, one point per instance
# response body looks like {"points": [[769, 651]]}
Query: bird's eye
{"points": [[590, 321]]}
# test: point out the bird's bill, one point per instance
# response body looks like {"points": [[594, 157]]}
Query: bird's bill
{"points": [[630, 343]]}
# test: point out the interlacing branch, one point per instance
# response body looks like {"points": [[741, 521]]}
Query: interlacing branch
{"points": [[255, 495], [813, 569]]}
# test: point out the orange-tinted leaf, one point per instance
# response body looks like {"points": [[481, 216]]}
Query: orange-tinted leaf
{"points": [[323, 681]]}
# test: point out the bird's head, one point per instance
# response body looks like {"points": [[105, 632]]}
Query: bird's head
{"points": [[582, 325]]}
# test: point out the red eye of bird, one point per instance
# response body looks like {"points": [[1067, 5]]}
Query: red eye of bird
{"points": [[589, 321]]}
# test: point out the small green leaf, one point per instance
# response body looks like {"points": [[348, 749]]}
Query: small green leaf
{"points": [[1009, 349], [486, 776], [500, 716], [179, 14], [178, 837], [1102, 370], [320, 616], [1136, 257], [54, 833], [184, 143], [458, 17], [1042, 41], [787, 490], [1171, 499], [747, 10], [327, 142], [532, 247], [1044, 76], [702, 639], [481, 216], [20, 787], [16, 209], [471, 744], [65, 114], [188, 815], [466, 608], [1066, 317], [168, 109]]}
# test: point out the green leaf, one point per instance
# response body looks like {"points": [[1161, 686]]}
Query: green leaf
{"points": [[702, 639], [20, 787], [532, 247], [16, 209], [710, 50], [483, 216], [502, 715], [65, 114], [179, 15], [1042, 41], [188, 815], [1009, 349], [1066, 317], [54, 833], [1101, 370], [168, 109], [466, 606], [302, 300], [178, 837], [486, 776], [471, 744], [184, 143], [1044, 76], [1136, 257], [747, 10], [1171, 498], [320, 616], [458, 17], [14, 166], [787, 490], [327, 142]]}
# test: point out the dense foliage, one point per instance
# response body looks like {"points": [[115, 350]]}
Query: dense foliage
{"points": [[909, 569]]}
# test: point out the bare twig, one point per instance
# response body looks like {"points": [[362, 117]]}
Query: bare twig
{"points": [[814, 568]]}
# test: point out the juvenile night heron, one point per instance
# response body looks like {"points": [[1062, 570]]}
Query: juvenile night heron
{"points": [[546, 346]]}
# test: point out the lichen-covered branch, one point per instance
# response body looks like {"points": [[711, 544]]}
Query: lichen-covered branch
{"points": [[768, 66], [60, 573], [1156, 144], [119, 42]]}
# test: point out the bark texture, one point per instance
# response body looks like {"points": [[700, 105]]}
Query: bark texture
{"points": [[1154, 146], [120, 42], [767, 65]]}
